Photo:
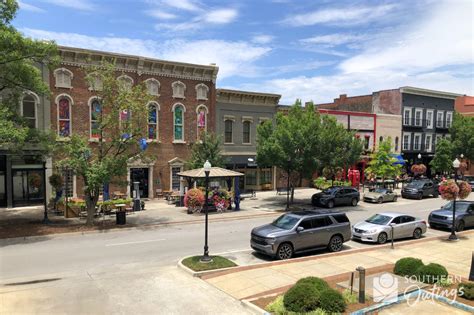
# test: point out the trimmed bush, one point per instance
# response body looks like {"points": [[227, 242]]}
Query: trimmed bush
{"points": [[407, 266], [431, 273], [302, 298], [466, 290], [316, 282], [332, 301]]}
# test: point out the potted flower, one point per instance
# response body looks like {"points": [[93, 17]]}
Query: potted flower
{"points": [[449, 190], [418, 169], [221, 200], [194, 200]]}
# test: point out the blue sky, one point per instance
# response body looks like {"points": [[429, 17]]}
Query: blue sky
{"points": [[314, 50]]}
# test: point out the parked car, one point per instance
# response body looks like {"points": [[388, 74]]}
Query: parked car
{"points": [[443, 218], [301, 231], [336, 196], [378, 228], [470, 180], [380, 195], [420, 188]]}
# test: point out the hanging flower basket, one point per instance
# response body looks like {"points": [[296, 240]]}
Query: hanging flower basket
{"points": [[194, 200], [221, 200], [449, 190], [418, 169], [35, 180]]}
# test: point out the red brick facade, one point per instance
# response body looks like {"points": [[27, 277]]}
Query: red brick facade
{"points": [[164, 150]]}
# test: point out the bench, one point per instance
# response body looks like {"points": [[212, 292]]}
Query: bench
{"points": [[282, 190], [248, 194]]}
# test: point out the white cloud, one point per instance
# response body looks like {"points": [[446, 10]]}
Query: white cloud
{"points": [[341, 16], [187, 5], [233, 58], [30, 7], [220, 16], [162, 15], [84, 5], [331, 40], [262, 39]]}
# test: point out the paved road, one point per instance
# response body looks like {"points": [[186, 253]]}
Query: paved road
{"points": [[162, 246]]}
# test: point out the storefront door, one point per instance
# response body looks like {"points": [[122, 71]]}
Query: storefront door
{"points": [[139, 175], [28, 188]]}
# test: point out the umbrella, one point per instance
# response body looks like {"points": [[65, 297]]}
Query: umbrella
{"points": [[214, 173], [400, 160]]}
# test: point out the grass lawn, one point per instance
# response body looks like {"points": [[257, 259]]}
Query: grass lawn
{"points": [[218, 262]]}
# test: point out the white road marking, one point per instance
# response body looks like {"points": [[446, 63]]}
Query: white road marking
{"points": [[235, 251], [137, 242]]}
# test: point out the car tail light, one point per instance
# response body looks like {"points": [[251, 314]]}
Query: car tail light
{"points": [[424, 222]]}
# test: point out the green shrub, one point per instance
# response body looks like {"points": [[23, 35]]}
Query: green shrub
{"points": [[350, 298], [466, 290], [445, 282], [302, 298], [407, 266], [316, 282], [277, 308], [431, 273], [332, 301]]}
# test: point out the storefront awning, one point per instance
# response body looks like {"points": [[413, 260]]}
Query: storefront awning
{"points": [[248, 160], [400, 160]]}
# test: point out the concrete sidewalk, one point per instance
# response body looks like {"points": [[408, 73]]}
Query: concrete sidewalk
{"points": [[256, 280]]}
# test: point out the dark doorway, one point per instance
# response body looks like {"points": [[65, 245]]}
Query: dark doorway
{"points": [[28, 188], [139, 175], [3, 181]]}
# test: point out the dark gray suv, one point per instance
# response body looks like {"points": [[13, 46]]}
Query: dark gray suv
{"points": [[301, 231]]}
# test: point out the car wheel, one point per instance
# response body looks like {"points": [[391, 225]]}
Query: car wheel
{"points": [[420, 196], [354, 202], [460, 226], [285, 251], [335, 244], [380, 200], [417, 233], [394, 198], [330, 204], [382, 238]]}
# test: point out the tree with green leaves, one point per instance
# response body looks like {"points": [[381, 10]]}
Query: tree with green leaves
{"points": [[208, 149], [442, 161], [382, 162], [21, 59], [462, 135], [121, 119]]}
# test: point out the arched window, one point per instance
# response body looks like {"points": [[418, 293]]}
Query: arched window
{"points": [[396, 143], [201, 120], [95, 82], [63, 78], [28, 110], [153, 109], [64, 103], [228, 125], [125, 82], [153, 87], [95, 113], [178, 122], [125, 117], [178, 89], [201, 91], [246, 132]]}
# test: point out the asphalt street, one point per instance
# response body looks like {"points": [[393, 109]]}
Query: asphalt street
{"points": [[36, 258]]}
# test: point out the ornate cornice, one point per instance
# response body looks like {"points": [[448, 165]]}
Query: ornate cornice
{"points": [[247, 98], [136, 64], [431, 93]]}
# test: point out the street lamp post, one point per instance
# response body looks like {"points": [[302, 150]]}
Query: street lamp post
{"points": [[206, 258], [45, 215], [288, 186], [453, 236]]}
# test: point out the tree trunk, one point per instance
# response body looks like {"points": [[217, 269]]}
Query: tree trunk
{"points": [[91, 202], [292, 193]]}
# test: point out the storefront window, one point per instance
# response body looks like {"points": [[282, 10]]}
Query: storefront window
{"points": [[251, 178], [265, 176]]}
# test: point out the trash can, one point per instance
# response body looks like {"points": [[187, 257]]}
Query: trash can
{"points": [[121, 217]]}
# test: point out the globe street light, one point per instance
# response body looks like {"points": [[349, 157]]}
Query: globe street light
{"points": [[419, 156], [453, 236], [206, 258]]}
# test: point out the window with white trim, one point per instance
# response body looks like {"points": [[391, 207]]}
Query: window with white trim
{"points": [[201, 120], [429, 119], [417, 142], [178, 122], [95, 113], [63, 78], [153, 87], [438, 138], [418, 117], [201, 91], [28, 110], [246, 132], [396, 143], [178, 89], [228, 126], [64, 115], [449, 119], [439, 119], [428, 142], [407, 116], [95, 82], [125, 82], [406, 141], [175, 181], [153, 121]]}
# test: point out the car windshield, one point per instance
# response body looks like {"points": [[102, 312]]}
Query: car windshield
{"points": [[329, 190], [380, 190], [415, 185], [379, 219], [460, 206], [286, 222]]}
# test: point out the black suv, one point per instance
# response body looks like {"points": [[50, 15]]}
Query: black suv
{"points": [[420, 188], [336, 196]]}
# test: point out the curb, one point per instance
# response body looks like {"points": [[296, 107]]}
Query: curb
{"points": [[253, 308], [200, 274]]}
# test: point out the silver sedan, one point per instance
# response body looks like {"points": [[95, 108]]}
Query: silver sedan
{"points": [[378, 228]]}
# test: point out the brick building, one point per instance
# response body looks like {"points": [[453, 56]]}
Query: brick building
{"points": [[183, 105]]}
